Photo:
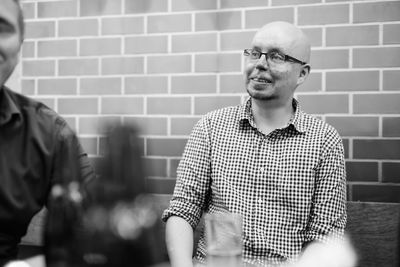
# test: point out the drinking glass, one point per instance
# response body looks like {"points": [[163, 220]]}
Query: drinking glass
{"points": [[224, 239]]}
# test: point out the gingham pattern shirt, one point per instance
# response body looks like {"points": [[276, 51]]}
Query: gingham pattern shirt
{"points": [[289, 185]]}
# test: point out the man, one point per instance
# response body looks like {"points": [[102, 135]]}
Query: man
{"points": [[31, 139], [280, 168]]}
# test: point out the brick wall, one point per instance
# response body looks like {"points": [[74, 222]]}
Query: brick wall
{"points": [[164, 63]]}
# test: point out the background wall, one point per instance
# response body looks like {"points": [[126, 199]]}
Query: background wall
{"points": [[164, 63]]}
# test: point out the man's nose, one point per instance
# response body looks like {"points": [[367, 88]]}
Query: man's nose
{"points": [[262, 62]]}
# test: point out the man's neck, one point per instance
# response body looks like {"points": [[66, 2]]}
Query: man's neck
{"points": [[269, 115]]}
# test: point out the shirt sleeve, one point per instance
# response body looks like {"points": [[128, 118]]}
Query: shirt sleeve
{"points": [[193, 178], [69, 153], [328, 215]]}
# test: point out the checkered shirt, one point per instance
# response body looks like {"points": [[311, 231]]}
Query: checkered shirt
{"points": [[289, 186]]}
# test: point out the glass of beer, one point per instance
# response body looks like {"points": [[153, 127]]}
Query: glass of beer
{"points": [[224, 239]]}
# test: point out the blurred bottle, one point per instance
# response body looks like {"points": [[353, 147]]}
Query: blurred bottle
{"points": [[63, 226], [123, 228]]}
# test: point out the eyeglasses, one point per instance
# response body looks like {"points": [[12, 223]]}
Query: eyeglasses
{"points": [[272, 56]]}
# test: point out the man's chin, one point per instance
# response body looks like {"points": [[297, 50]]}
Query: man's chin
{"points": [[260, 94]]}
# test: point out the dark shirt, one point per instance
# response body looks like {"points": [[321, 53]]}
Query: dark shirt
{"points": [[31, 137]]}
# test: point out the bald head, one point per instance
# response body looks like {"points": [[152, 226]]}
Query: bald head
{"points": [[285, 36]]}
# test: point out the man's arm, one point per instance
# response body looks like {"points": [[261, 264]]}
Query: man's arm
{"points": [[328, 213], [179, 240]]}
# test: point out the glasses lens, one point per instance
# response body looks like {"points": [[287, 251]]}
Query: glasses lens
{"points": [[276, 57]]}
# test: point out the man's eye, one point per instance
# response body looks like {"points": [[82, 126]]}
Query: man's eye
{"points": [[277, 56], [255, 54]]}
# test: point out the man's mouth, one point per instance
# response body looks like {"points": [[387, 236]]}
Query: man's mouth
{"points": [[260, 80]]}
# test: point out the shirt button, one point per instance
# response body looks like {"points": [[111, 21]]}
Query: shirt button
{"points": [[260, 201], [262, 169]]}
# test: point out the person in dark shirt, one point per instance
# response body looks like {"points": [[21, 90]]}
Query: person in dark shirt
{"points": [[31, 138]]}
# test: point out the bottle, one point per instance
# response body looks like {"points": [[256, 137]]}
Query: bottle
{"points": [[123, 228], [63, 226]]}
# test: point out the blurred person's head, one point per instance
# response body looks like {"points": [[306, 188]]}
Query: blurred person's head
{"points": [[277, 62], [11, 37]]}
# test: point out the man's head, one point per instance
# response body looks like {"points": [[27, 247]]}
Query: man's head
{"points": [[275, 74], [11, 36]]}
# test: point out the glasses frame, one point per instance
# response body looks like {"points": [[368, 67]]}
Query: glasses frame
{"points": [[248, 51]]}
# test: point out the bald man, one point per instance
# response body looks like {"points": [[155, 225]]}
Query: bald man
{"points": [[280, 168]]}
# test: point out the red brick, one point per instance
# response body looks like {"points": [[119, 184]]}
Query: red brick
{"points": [[352, 35], [155, 167], [173, 166], [122, 105], [355, 126], [323, 14], [226, 62], [58, 48], [313, 83], [100, 46], [376, 149], [100, 86], [195, 5], [168, 105], [293, 2], [198, 84], [122, 65], [376, 12], [77, 106], [202, 105], [161, 185], [78, 27], [146, 6], [376, 103], [38, 68], [346, 146], [391, 172], [376, 193], [78, 67], [391, 80], [28, 49], [146, 85], [391, 34], [376, 57], [100, 7], [362, 171], [194, 42], [240, 3], [57, 9], [125, 25], [28, 86], [146, 44], [149, 125], [218, 21], [168, 147], [322, 104], [352, 81], [391, 126], [96, 125], [232, 83], [39, 29], [329, 59], [169, 64], [183, 125], [169, 23], [57, 86], [28, 10], [314, 35], [236, 40], [89, 145], [257, 18]]}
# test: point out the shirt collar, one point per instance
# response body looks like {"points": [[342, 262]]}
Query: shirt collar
{"points": [[297, 121], [8, 107]]}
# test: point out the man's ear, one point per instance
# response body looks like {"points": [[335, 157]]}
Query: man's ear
{"points": [[304, 72]]}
